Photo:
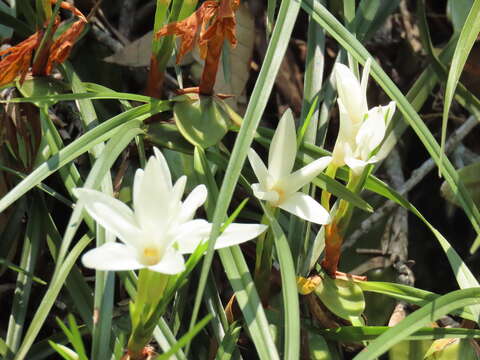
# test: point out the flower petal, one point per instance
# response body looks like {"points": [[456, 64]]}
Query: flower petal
{"points": [[303, 176], [179, 188], [163, 165], [238, 233], [390, 111], [191, 234], [172, 263], [372, 132], [137, 184], [111, 213], [283, 148], [175, 206], [193, 201], [152, 201], [262, 194], [365, 75], [258, 167], [357, 165], [306, 207], [350, 92], [112, 256]]}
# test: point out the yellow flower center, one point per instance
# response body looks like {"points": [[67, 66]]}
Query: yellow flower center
{"points": [[281, 195], [151, 256]]}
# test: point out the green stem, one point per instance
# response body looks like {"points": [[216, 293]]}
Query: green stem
{"points": [[41, 52], [330, 172], [150, 289], [344, 212], [263, 262]]}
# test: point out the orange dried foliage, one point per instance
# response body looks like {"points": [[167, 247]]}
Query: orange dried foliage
{"points": [[209, 26], [17, 59], [333, 244], [60, 49]]}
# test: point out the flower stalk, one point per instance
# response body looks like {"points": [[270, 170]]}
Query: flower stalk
{"points": [[263, 258], [361, 132], [150, 290]]}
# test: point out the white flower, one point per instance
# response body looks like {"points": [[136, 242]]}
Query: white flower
{"points": [[160, 228], [278, 185], [361, 130]]}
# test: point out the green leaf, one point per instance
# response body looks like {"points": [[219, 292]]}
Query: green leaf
{"points": [[470, 175], [49, 298], [65, 352], [168, 136], [98, 134], [446, 350], [291, 306], [467, 38], [457, 11], [10, 23], [16, 268], [39, 91], [227, 347], [370, 16], [54, 87], [344, 298], [407, 293], [348, 334], [21, 298], [318, 347], [74, 336], [185, 339], [201, 121], [413, 322]]}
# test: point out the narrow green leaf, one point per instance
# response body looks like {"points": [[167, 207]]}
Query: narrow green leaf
{"points": [[53, 99], [49, 298], [98, 134], [21, 298], [407, 293], [347, 334], [291, 306], [415, 321], [228, 347], [185, 339], [7, 19], [467, 38]]}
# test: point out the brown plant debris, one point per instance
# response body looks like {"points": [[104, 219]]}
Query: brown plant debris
{"points": [[209, 26], [17, 59]]}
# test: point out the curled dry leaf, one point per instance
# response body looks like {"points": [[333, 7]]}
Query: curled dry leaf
{"points": [[209, 26], [17, 59]]}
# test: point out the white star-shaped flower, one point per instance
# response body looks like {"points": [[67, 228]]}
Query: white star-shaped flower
{"points": [[361, 130], [160, 228], [278, 185]]}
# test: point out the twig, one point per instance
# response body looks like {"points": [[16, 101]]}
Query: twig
{"points": [[106, 39], [395, 237], [127, 17], [94, 9], [417, 176]]}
